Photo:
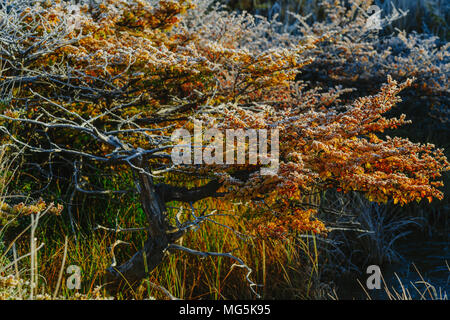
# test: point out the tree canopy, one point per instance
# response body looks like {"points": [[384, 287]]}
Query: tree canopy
{"points": [[104, 86]]}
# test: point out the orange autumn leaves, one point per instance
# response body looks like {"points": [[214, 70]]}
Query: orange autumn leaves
{"points": [[138, 53], [328, 149]]}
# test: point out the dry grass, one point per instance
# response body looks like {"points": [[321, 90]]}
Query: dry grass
{"points": [[420, 290], [361, 232], [285, 269]]}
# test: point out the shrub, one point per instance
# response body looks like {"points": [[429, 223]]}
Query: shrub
{"points": [[101, 88]]}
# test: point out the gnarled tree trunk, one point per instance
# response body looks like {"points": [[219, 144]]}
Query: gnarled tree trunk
{"points": [[160, 233], [130, 273]]}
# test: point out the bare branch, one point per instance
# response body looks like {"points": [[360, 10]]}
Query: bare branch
{"points": [[240, 263]]}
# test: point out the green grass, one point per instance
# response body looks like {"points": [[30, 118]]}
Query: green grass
{"points": [[285, 269]]}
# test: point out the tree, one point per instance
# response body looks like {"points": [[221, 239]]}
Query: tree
{"points": [[103, 87]]}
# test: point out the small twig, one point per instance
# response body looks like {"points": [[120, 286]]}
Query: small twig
{"points": [[205, 254], [164, 290], [20, 258], [119, 229], [62, 268], [114, 262]]}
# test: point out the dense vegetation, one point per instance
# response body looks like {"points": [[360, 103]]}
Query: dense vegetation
{"points": [[92, 93]]}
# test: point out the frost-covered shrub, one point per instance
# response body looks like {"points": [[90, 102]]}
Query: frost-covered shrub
{"points": [[104, 95]]}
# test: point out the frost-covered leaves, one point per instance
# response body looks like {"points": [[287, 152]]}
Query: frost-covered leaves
{"points": [[321, 149]]}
